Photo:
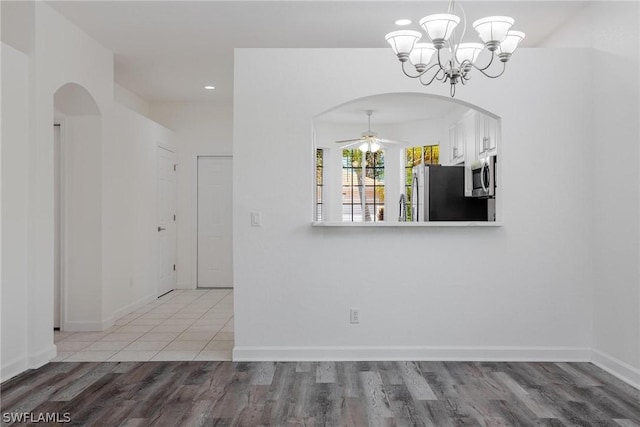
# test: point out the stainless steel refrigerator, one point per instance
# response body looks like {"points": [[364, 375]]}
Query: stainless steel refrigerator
{"points": [[438, 195]]}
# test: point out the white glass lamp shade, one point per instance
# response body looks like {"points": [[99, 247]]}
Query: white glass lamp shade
{"points": [[369, 146], [511, 42], [402, 42], [439, 27], [421, 55], [493, 29], [468, 52]]}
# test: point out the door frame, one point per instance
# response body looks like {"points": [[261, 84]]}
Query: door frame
{"points": [[175, 242], [62, 241], [194, 222]]}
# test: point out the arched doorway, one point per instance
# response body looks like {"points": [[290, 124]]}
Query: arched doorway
{"points": [[77, 210]]}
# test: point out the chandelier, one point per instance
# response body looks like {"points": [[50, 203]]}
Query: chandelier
{"points": [[495, 31]]}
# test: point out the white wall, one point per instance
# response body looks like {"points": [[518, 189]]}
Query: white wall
{"points": [[201, 128], [82, 222], [130, 100], [530, 298], [611, 31], [129, 270], [62, 54], [15, 182], [616, 320]]}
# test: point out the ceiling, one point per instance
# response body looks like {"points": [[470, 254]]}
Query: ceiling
{"points": [[168, 50]]}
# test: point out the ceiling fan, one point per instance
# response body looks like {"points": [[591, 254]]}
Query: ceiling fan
{"points": [[369, 141]]}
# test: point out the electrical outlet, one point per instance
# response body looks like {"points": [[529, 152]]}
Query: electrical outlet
{"points": [[256, 219], [355, 315]]}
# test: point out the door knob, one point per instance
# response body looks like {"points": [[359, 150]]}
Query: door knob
{"points": [[161, 228]]}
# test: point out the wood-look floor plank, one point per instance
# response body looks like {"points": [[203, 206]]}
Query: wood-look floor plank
{"points": [[326, 372], [347, 377], [415, 382], [540, 410], [263, 373], [303, 367], [355, 394], [626, 423], [376, 401]]}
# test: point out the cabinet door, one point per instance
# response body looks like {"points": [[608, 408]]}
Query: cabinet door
{"points": [[493, 136], [486, 136], [469, 125], [456, 138]]}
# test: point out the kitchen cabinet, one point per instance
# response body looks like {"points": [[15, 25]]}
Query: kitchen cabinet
{"points": [[462, 138], [487, 136], [472, 137], [456, 144]]}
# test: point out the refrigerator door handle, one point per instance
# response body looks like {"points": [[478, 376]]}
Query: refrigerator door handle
{"points": [[415, 213]]}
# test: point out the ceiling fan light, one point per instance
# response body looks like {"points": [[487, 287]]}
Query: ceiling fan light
{"points": [[402, 42], [510, 43], [468, 52], [493, 29], [374, 146], [364, 147], [421, 54], [439, 27]]}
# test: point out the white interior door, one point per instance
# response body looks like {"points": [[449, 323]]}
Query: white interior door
{"points": [[215, 260], [166, 221]]}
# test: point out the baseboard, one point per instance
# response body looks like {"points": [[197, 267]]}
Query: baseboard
{"points": [[14, 368], [33, 361], [42, 357], [130, 308], [616, 367], [513, 354], [96, 326]]}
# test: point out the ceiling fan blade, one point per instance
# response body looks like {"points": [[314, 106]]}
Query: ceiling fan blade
{"points": [[344, 141], [391, 141], [350, 143]]}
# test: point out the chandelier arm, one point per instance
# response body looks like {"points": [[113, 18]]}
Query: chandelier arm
{"points": [[504, 67], [432, 78], [485, 67], [419, 75], [439, 62]]}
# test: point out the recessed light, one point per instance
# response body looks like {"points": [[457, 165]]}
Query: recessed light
{"points": [[209, 87], [403, 22]]}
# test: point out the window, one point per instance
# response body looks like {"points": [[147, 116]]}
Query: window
{"points": [[319, 183], [362, 188], [428, 155]]}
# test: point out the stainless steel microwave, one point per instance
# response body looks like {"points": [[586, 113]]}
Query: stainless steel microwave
{"points": [[483, 177]]}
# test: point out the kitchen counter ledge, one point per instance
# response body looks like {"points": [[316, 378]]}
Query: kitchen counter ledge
{"points": [[408, 224]]}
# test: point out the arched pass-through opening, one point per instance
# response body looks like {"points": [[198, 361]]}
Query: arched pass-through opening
{"points": [[77, 209], [375, 155]]}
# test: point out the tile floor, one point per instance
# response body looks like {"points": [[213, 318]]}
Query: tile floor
{"points": [[182, 325]]}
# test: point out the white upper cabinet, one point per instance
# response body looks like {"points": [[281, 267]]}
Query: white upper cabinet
{"points": [[462, 138], [456, 144], [487, 136]]}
